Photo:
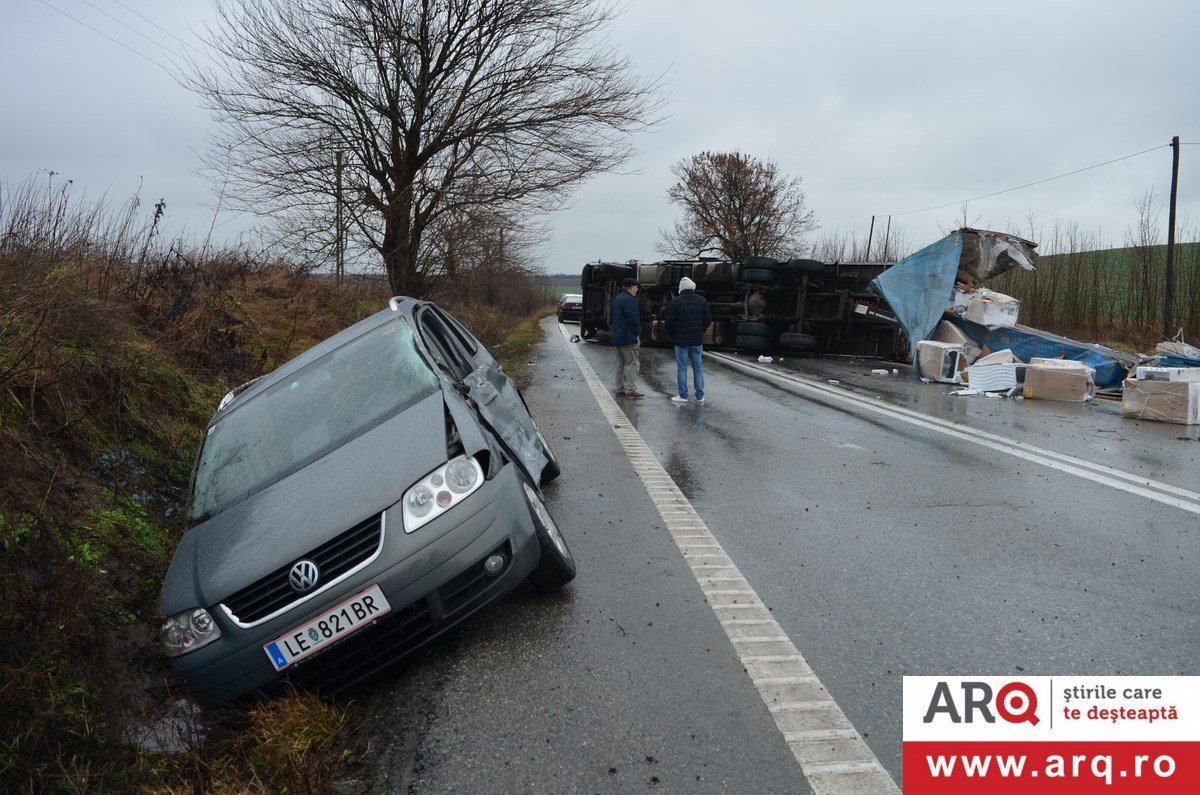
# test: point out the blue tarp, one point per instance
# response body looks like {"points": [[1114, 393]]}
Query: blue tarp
{"points": [[1175, 360], [918, 288], [1111, 366]]}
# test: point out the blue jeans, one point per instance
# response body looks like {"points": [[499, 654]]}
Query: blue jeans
{"points": [[683, 355]]}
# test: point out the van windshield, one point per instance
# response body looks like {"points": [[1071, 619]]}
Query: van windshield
{"points": [[308, 415]]}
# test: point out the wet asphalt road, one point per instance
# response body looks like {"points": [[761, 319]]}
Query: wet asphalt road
{"points": [[883, 550]]}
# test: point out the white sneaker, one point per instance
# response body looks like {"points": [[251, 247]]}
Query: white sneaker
{"points": [[678, 399], [699, 400]]}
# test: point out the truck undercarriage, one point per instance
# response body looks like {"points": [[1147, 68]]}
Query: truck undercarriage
{"points": [[761, 304]]}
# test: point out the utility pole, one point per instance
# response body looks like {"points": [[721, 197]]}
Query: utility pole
{"points": [[1169, 291], [339, 241], [870, 234], [886, 235]]}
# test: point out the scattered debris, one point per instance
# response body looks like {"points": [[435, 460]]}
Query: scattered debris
{"points": [[879, 372], [765, 359]]}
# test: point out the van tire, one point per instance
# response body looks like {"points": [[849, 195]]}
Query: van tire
{"points": [[551, 470], [556, 567]]}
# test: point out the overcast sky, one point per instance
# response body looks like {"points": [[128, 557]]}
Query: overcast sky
{"points": [[880, 107]]}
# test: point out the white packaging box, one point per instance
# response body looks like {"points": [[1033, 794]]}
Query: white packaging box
{"points": [[993, 377], [1168, 374], [941, 361], [992, 309]]}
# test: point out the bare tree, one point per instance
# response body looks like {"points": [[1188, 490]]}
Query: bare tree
{"points": [[738, 205], [438, 107]]}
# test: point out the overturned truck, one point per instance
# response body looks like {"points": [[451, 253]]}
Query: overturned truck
{"points": [[761, 304]]}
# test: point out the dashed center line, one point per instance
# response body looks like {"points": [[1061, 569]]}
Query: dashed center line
{"points": [[831, 753]]}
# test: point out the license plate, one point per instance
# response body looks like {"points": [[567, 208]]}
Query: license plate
{"points": [[329, 627]]}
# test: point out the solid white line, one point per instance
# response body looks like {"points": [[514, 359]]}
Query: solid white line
{"points": [[786, 668], [1098, 473]]}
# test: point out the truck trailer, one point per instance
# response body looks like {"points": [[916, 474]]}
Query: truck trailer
{"points": [[758, 305]]}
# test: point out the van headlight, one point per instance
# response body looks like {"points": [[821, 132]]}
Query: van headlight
{"points": [[188, 631], [441, 490]]}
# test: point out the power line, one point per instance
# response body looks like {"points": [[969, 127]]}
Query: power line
{"points": [[105, 35], [155, 24], [1031, 184], [126, 25]]}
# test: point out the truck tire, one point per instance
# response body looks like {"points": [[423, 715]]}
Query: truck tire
{"points": [[604, 337], [752, 329], [766, 263], [752, 343], [798, 341], [805, 266], [759, 276]]}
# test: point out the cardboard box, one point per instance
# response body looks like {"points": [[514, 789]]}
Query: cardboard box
{"points": [[1005, 356], [1168, 373], [993, 377], [1059, 379], [1162, 401], [959, 299], [941, 361], [948, 332], [992, 309]]}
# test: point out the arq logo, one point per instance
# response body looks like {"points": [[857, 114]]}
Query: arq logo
{"points": [[1016, 702]]}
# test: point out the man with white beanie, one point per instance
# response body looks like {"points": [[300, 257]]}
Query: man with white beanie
{"points": [[688, 317]]}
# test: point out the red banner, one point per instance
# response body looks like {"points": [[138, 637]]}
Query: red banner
{"points": [[1051, 767]]}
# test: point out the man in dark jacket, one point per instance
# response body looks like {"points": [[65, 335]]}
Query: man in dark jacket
{"points": [[626, 328], [688, 317]]}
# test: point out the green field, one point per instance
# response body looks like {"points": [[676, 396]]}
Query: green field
{"points": [[555, 284]]}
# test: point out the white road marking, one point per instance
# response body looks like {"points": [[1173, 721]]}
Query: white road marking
{"points": [[854, 768], [1164, 493]]}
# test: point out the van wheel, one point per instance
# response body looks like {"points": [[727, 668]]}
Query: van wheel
{"points": [[551, 470], [556, 567]]}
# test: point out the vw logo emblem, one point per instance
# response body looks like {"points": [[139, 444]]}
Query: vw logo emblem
{"points": [[303, 576]]}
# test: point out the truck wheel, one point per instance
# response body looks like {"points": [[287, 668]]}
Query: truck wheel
{"points": [[766, 263], [604, 337], [751, 329], [802, 342], [751, 343], [759, 276], [805, 266], [556, 567]]}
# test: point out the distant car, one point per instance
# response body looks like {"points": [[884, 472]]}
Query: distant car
{"points": [[354, 505], [570, 307]]}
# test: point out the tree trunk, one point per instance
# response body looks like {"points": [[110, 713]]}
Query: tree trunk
{"points": [[401, 242]]}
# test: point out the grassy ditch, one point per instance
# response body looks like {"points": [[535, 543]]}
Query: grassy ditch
{"points": [[114, 350]]}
